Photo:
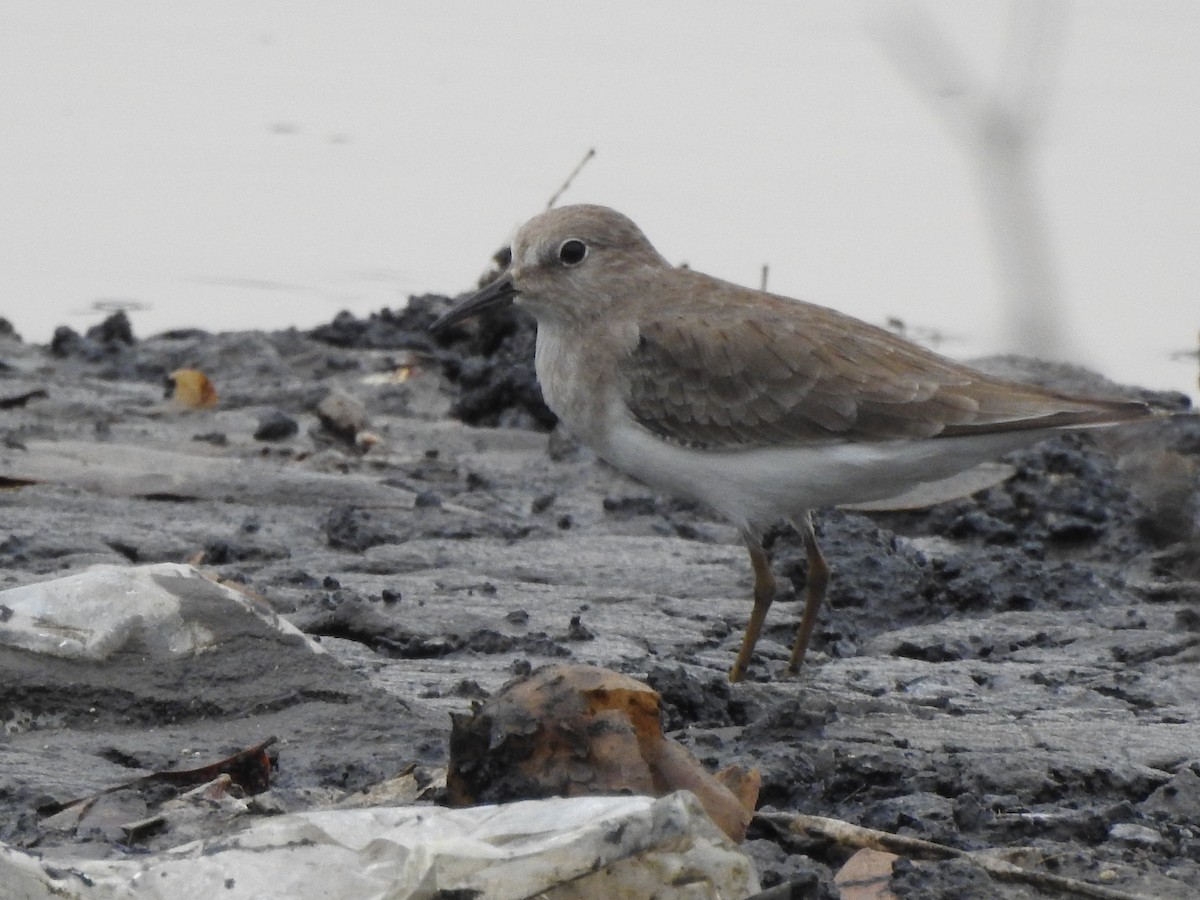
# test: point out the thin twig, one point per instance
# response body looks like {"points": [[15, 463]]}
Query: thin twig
{"points": [[851, 835], [998, 124], [566, 184]]}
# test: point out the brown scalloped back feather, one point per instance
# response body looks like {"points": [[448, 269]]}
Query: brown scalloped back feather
{"points": [[726, 367]]}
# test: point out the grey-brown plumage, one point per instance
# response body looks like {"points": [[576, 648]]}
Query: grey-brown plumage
{"points": [[761, 406], [726, 372]]}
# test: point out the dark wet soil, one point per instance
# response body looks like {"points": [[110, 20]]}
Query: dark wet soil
{"points": [[1015, 669]]}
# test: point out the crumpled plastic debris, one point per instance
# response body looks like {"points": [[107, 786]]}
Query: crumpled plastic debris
{"points": [[560, 849], [577, 731], [160, 610]]}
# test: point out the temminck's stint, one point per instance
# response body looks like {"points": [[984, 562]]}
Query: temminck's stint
{"points": [[757, 405]]}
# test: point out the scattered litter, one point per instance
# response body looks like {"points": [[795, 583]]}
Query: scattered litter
{"points": [[161, 610], [249, 769], [191, 389], [556, 849]]}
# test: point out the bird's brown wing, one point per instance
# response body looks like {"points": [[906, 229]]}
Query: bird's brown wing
{"points": [[720, 374]]}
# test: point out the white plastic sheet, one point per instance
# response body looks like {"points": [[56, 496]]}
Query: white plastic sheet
{"points": [[601, 847], [163, 609]]}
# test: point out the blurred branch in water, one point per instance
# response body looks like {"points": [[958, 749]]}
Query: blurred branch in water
{"points": [[998, 125]]}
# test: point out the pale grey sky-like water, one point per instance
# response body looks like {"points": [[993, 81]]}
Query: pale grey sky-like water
{"points": [[234, 165]]}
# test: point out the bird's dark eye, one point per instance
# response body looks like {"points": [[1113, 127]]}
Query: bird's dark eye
{"points": [[572, 252]]}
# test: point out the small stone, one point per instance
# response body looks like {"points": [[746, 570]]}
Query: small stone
{"points": [[577, 631], [342, 416], [1134, 835], [275, 426], [427, 500], [113, 330]]}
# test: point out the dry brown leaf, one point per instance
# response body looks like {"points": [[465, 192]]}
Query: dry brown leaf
{"points": [[866, 876], [191, 389]]}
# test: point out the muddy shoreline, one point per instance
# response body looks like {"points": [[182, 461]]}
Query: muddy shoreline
{"points": [[1015, 668]]}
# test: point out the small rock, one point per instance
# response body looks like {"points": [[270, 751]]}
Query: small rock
{"points": [[275, 426], [116, 329], [351, 528], [1176, 801], [427, 500], [628, 507], [577, 631], [68, 342], [342, 416], [1134, 835]]}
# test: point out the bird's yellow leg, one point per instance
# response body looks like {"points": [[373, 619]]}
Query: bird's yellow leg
{"points": [[814, 592], [764, 593]]}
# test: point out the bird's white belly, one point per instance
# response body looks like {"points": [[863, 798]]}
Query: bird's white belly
{"points": [[754, 486], [758, 486]]}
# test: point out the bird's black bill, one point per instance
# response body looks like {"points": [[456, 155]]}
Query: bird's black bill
{"points": [[495, 295]]}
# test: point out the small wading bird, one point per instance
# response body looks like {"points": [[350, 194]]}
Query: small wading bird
{"points": [[759, 406]]}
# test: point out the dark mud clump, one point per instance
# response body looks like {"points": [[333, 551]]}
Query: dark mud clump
{"points": [[489, 360]]}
